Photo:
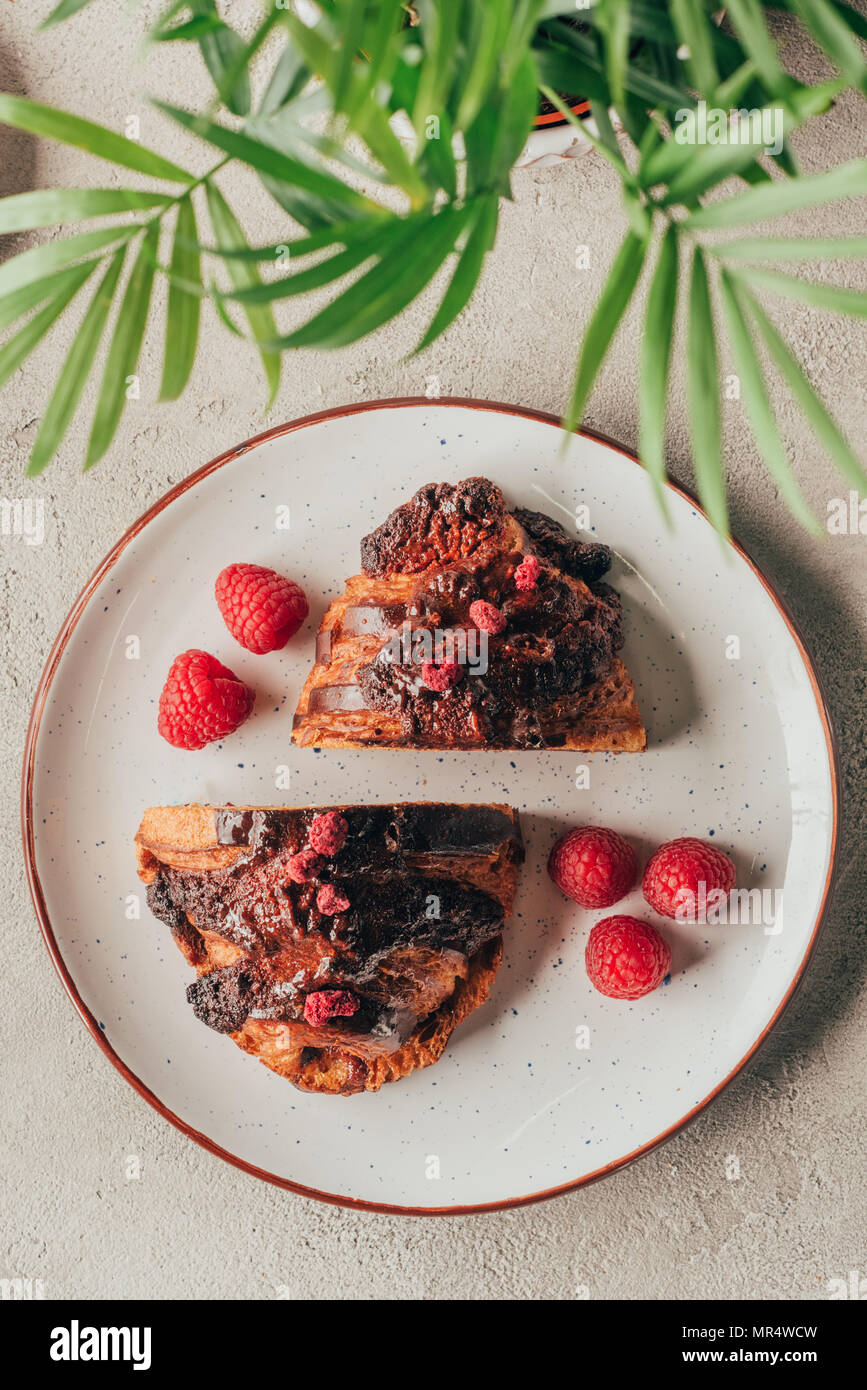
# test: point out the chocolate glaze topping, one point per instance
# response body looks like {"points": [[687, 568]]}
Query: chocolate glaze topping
{"points": [[559, 638], [405, 921], [392, 830]]}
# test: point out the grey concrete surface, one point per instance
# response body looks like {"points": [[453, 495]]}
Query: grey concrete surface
{"points": [[671, 1226]]}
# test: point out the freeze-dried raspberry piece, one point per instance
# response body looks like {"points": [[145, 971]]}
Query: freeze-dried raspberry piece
{"points": [[527, 573], [323, 1004], [303, 866], [330, 900], [328, 832], [441, 677], [487, 617]]}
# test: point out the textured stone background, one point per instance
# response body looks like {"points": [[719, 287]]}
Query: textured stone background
{"points": [[670, 1226]]}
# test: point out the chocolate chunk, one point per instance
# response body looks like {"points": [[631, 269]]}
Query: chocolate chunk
{"points": [[583, 560], [225, 998], [442, 524]]}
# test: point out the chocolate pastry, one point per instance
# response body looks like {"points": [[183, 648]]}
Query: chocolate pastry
{"points": [[340, 945], [471, 626]]}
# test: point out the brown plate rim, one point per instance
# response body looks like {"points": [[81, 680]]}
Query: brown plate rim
{"points": [[28, 836]]}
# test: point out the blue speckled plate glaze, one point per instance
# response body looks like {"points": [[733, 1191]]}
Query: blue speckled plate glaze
{"points": [[738, 751]]}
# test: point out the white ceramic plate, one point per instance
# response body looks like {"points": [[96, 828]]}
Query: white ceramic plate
{"points": [[739, 750]]}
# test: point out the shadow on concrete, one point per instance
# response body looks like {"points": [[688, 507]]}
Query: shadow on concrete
{"points": [[834, 979], [18, 153]]}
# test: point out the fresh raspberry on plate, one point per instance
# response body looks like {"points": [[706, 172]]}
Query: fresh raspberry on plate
{"points": [[328, 832], [682, 874], [626, 958], [593, 866], [303, 866], [441, 677], [201, 701], [527, 573], [330, 900], [323, 1004], [261, 609], [487, 617]]}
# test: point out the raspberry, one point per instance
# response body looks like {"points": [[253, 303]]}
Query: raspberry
{"points": [[441, 677], [626, 958], [323, 1004], [303, 866], [330, 900], [328, 832], [527, 573], [487, 618], [261, 609], [201, 701], [593, 866], [682, 874]]}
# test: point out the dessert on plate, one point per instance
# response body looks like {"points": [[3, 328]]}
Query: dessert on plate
{"points": [[472, 626], [340, 945]]}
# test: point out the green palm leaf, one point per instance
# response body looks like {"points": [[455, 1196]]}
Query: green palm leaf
{"points": [[614, 24], [693, 169], [350, 44], [710, 164], [65, 10], [19, 348], [334, 234], [583, 54], [22, 300], [385, 290], [813, 409], [440, 36], [690, 21], [749, 22], [851, 18], [225, 56], [379, 239], [785, 195], [76, 369], [125, 347], [267, 160], [655, 359], [703, 399], [830, 297], [610, 308], [228, 233], [792, 249], [368, 119], [487, 45], [42, 260], [37, 119], [182, 319], [830, 30], [466, 276], [758, 407], [194, 28], [52, 206]]}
